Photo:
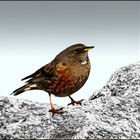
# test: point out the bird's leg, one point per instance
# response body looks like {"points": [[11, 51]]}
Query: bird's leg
{"points": [[53, 110], [74, 102]]}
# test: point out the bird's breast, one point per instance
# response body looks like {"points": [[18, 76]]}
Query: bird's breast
{"points": [[66, 81]]}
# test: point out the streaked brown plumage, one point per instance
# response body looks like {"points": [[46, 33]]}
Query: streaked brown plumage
{"points": [[63, 76]]}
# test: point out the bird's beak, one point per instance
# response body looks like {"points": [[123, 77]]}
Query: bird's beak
{"points": [[88, 48]]}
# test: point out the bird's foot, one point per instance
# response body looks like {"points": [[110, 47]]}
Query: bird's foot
{"points": [[56, 111], [73, 102]]}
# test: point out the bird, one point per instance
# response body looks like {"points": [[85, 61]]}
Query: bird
{"points": [[63, 76]]}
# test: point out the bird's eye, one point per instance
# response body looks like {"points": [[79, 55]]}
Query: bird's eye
{"points": [[77, 51]]}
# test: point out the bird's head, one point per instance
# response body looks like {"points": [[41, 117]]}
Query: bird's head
{"points": [[77, 49], [76, 52]]}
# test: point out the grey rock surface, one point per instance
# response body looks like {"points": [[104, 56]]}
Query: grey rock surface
{"points": [[112, 112]]}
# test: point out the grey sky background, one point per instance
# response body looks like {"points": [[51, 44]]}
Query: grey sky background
{"points": [[32, 33]]}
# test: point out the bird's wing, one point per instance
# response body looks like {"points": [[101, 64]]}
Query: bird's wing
{"points": [[44, 71], [34, 74]]}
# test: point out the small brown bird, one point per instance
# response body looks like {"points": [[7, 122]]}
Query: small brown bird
{"points": [[63, 76]]}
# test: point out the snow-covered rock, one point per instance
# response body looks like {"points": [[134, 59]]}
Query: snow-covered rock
{"points": [[112, 112]]}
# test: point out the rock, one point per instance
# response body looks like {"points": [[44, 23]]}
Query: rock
{"points": [[112, 112]]}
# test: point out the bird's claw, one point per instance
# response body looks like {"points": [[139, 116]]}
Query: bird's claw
{"points": [[56, 111], [73, 102]]}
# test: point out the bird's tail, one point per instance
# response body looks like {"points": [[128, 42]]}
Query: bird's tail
{"points": [[23, 89]]}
